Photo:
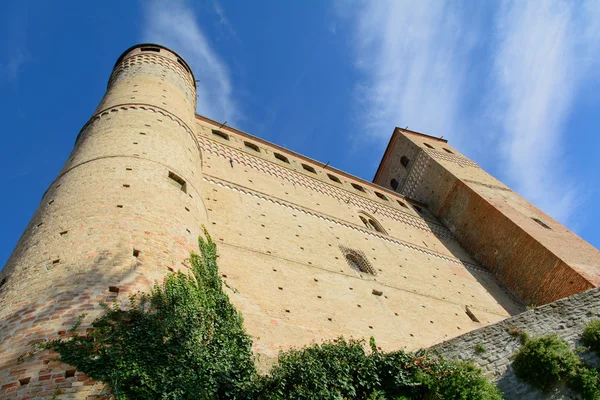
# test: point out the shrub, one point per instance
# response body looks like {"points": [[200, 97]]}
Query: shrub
{"points": [[544, 361], [586, 381], [591, 335], [459, 380], [479, 348]]}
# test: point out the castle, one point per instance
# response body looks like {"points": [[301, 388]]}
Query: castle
{"points": [[433, 248]]}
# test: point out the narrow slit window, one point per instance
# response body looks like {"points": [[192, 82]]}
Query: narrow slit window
{"points": [[428, 145], [381, 196], [309, 168], [281, 157], [220, 134], [178, 181], [448, 151], [404, 161], [541, 223], [334, 178], [403, 204], [155, 49], [251, 146], [419, 209], [358, 187]]}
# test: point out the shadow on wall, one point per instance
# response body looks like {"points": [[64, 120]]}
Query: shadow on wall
{"points": [[511, 303], [112, 278]]}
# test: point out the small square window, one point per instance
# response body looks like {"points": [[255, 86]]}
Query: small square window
{"points": [[334, 178], [220, 134], [404, 161], [358, 187], [381, 196], [281, 157], [309, 168], [178, 181], [251, 146]]}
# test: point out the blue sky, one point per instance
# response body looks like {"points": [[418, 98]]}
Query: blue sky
{"points": [[514, 85]]}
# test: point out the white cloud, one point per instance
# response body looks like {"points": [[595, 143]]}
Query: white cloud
{"points": [[444, 69], [542, 57], [174, 25], [412, 55]]}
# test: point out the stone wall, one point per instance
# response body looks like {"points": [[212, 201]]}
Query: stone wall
{"points": [[566, 318]]}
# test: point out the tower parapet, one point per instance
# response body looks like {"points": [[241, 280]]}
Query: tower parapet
{"points": [[124, 210]]}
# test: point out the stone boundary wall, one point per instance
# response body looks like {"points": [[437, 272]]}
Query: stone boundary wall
{"points": [[566, 318]]}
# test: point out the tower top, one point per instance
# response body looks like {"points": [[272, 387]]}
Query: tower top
{"points": [[158, 49]]}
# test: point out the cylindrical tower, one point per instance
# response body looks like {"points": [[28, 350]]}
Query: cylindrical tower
{"points": [[124, 210]]}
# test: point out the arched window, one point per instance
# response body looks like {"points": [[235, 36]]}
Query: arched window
{"points": [[394, 184], [357, 260], [371, 223]]}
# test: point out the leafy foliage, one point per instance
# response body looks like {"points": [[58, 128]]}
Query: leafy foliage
{"points": [[591, 335], [545, 361], [342, 370], [184, 340]]}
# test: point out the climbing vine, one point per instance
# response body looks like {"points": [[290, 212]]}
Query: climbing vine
{"points": [[185, 340]]}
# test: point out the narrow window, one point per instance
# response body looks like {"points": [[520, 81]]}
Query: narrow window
{"points": [[471, 314], [394, 184], [419, 209], [358, 187], [448, 151], [402, 203], [2, 282], [334, 178], [220, 134], [357, 261], [381, 196], [155, 49], [428, 145], [178, 181], [404, 161], [281, 157], [309, 168], [541, 223], [252, 146]]}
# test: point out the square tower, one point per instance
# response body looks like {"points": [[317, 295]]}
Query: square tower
{"points": [[530, 253]]}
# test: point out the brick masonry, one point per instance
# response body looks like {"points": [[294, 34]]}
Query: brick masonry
{"points": [[565, 318], [147, 172]]}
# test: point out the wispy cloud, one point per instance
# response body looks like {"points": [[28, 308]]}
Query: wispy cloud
{"points": [[15, 51], [174, 24], [543, 54], [434, 66], [413, 59]]}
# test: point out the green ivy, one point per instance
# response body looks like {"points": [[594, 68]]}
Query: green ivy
{"points": [[185, 340], [182, 340]]}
